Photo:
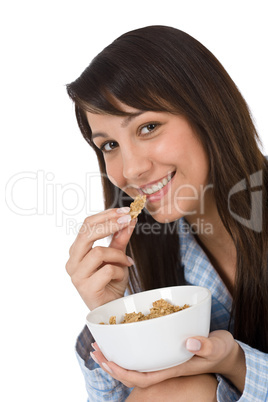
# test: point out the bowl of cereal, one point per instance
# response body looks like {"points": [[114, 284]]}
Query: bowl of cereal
{"points": [[147, 331]]}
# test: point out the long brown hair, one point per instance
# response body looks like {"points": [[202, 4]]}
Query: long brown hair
{"points": [[164, 69]]}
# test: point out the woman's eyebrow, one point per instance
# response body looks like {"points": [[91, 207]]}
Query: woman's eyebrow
{"points": [[95, 135], [124, 123], [130, 117]]}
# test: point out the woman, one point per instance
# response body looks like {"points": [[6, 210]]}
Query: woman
{"points": [[166, 120]]}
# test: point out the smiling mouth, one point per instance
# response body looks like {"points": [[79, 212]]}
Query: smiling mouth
{"points": [[158, 185]]}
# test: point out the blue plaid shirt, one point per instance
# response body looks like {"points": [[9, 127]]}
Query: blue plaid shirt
{"points": [[198, 271]]}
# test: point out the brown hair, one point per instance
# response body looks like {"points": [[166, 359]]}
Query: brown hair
{"points": [[164, 69]]}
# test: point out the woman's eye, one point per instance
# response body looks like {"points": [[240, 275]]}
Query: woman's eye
{"points": [[108, 146], [148, 128]]}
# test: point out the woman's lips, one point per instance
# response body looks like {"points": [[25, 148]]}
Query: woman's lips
{"points": [[158, 194]]}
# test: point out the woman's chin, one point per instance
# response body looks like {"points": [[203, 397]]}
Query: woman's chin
{"points": [[162, 217]]}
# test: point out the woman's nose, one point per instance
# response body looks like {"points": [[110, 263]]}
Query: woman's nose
{"points": [[135, 164]]}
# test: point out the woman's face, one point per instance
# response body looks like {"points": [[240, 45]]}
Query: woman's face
{"points": [[157, 154]]}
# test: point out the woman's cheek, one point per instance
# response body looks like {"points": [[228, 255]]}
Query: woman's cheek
{"points": [[115, 175]]}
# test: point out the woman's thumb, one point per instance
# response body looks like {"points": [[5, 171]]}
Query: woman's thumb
{"points": [[201, 346]]}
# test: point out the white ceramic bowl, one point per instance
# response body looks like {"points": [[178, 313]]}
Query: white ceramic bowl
{"points": [[157, 343]]}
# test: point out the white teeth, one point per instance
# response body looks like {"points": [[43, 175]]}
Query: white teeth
{"points": [[158, 186]]}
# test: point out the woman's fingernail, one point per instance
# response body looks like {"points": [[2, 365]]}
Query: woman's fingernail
{"points": [[130, 260], [193, 344], [107, 368], [94, 358], [123, 210], [124, 219]]}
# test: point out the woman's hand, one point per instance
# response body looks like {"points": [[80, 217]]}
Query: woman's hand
{"points": [[100, 274], [219, 353]]}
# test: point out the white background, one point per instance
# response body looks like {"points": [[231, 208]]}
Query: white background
{"points": [[48, 167]]}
